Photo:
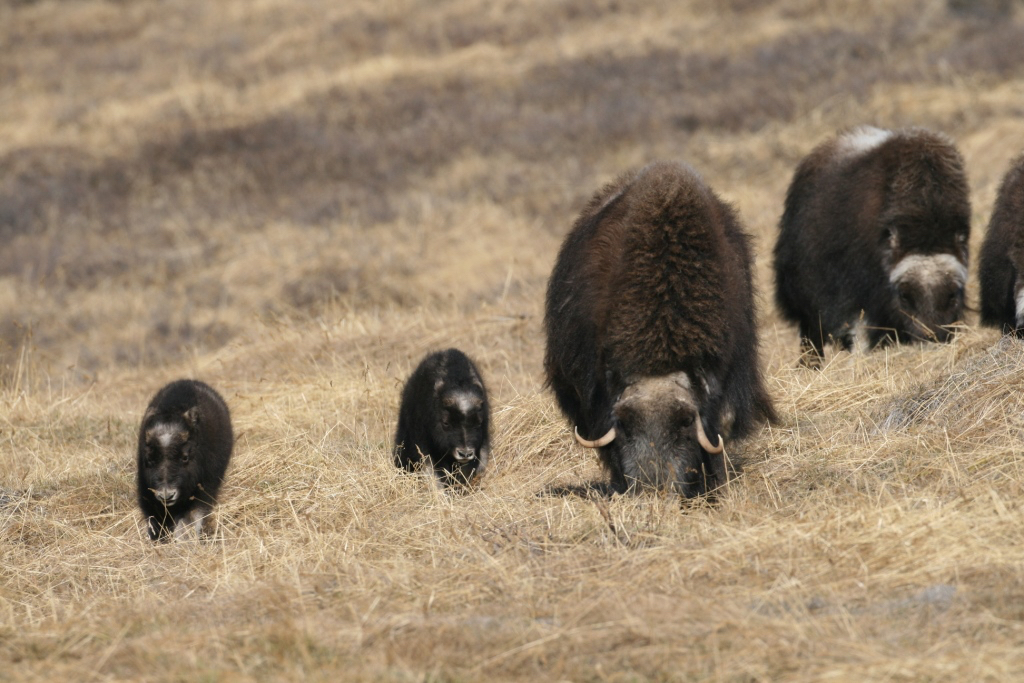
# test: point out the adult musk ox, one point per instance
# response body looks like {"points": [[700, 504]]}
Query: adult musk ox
{"points": [[444, 419], [184, 447], [873, 241], [651, 339], [1002, 256]]}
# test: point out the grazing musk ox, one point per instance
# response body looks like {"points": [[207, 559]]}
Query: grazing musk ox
{"points": [[185, 444], [651, 337], [1002, 256], [445, 419], [872, 244]]}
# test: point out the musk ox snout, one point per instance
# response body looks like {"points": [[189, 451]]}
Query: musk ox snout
{"points": [[444, 419], [185, 444], [465, 454], [166, 495]]}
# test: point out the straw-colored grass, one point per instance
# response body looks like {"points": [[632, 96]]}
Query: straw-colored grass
{"points": [[295, 201]]}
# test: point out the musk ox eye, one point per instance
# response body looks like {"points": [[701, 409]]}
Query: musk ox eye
{"points": [[686, 421]]}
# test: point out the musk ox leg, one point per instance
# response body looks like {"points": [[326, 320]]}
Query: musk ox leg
{"points": [[1018, 318], [157, 530], [812, 345], [159, 522], [716, 474], [193, 525], [611, 458], [456, 474]]}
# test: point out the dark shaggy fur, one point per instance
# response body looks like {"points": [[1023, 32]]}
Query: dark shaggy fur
{"points": [[650, 321], [1002, 257], [445, 418], [858, 206], [184, 447]]}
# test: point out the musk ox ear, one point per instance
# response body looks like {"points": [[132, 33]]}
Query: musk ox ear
{"points": [[150, 412], [891, 239], [192, 416]]}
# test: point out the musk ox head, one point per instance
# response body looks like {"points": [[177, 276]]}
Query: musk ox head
{"points": [[661, 439], [167, 456], [462, 422], [928, 292]]}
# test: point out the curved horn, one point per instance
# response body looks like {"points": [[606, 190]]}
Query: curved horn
{"points": [[603, 441], [702, 439]]}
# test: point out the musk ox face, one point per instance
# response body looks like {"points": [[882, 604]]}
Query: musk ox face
{"points": [[929, 293], [169, 468], [462, 424], [659, 435]]}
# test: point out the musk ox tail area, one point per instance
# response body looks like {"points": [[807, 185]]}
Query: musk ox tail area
{"points": [[651, 335], [184, 447], [444, 419], [1001, 271]]}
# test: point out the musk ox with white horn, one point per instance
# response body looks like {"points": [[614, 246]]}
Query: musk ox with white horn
{"points": [[184, 447], [444, 419], [1002, 257], [872, 243], [651, 336]]}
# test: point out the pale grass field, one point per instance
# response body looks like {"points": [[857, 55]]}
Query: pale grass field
{"points": [[295, 202]]}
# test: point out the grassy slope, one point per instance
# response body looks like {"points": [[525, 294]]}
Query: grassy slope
{"points": [[295, 202]]}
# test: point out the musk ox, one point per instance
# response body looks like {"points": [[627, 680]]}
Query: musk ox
{"points": [[444, 419], [873, 241], [184, 447], [651, 336], [1002, 257]]}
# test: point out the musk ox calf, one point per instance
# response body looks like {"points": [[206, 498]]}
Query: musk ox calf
{"points": [[1002, 257], [651, 336], [184, 447], [444, 419], [873, 241]]}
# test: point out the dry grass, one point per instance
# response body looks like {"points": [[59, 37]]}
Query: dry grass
{"points": [[296, 202]]}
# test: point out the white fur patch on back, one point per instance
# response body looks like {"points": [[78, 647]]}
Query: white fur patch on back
{"points": [[928, 269], [862, 139]]}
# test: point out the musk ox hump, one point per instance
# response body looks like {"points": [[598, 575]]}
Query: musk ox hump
{"points": [[673, 283]]}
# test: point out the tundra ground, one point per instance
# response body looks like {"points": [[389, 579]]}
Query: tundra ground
{"points": [[295, 201]]}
